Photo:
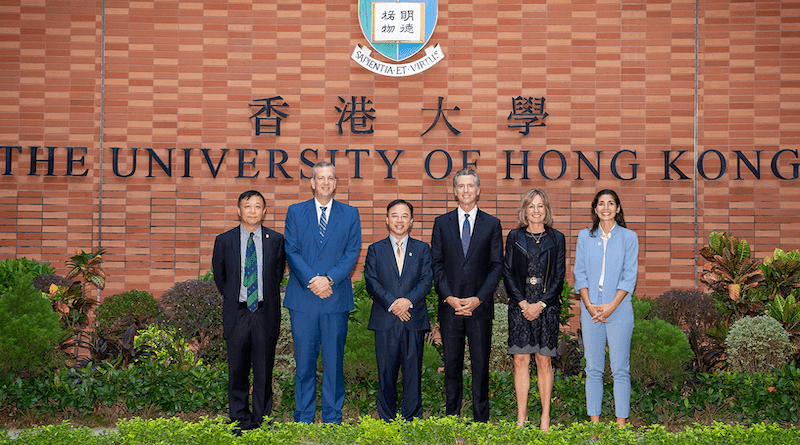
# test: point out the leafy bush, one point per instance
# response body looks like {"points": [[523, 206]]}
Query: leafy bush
{"points": [[696, 314], [29, 330], [43, 282], [164, 346], [757, 344], [117, 312], [9, 269], [194, 309], [660, 353]]}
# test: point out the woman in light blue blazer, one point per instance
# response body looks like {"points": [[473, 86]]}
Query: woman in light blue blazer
{"points": [[606, 264]]}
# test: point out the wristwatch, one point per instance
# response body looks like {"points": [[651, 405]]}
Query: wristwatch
{"points": [[330, 280], [544, 305]]}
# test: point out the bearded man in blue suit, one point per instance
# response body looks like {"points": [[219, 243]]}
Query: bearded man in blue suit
{"points": [[323, 240], [398, 277]]}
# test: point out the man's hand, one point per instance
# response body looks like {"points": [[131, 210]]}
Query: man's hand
{"points": [[463, 306], [320, 286], [400, 308]]}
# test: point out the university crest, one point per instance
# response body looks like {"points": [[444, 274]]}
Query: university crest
{"points": [[397, 30]]}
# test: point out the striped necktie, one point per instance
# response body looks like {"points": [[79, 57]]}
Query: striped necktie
{"points": [[323, 223], [251, 274]]}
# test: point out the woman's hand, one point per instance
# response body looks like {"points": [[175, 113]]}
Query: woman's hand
{"points": [[602, 312], [531, 311]]}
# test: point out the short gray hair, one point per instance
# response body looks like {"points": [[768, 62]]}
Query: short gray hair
{"points": [[466, 172], [322, 164]]}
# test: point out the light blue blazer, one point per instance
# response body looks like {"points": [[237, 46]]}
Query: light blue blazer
{"points": [[622, 263], [309, 256]]}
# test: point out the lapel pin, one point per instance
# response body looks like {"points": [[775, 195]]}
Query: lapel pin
{"points": [[266, 235], [599, 243], [410, 253]]}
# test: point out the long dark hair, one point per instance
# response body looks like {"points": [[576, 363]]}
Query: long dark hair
{"points": [[619, 218]]}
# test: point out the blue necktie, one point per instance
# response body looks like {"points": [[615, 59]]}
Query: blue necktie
{"points": [[323, 223], [465, 235], [251, 274]]}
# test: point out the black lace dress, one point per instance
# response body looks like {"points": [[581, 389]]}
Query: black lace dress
{"points": [[541, 335]]}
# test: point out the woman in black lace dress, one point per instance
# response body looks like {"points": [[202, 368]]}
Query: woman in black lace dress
{"points": [[533, 273]]}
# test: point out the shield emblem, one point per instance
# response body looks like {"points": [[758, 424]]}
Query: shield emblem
{"points": [[398, 29]]}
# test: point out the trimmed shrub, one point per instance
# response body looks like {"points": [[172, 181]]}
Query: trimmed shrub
{"points": [[660, 353], [757, 344], [194, 309], [29, 330], [117, 312]]}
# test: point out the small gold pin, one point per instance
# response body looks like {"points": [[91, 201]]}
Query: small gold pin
{"points": [[410, 253], [599, 243]]}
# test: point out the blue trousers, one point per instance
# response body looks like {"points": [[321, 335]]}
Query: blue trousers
{"points": [[314, 333], [617, 334]]}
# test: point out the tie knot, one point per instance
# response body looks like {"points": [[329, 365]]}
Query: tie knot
{"points": [[322, 208]]}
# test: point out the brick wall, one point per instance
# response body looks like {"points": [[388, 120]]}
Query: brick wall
{"points": [[616, 75]]}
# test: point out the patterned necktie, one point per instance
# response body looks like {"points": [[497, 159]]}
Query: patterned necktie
{"points": [[465, 235], [399, 256], [251, 274], [323, 223]]}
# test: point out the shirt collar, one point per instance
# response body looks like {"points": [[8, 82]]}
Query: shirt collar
{"points": [[318, 204], [472, 213], [403, 240], [607, 236]]}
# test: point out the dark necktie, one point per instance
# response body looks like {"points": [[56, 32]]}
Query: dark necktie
{"points": [[251, 274], [465, 234], [323, 223]]}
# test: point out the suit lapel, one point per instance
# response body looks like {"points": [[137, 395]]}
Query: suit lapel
{"points": [[388, 251], [236, 251]]}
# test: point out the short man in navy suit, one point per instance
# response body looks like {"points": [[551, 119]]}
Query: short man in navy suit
{"points": [[248, 264], [467, 258], [323, 239], [398, 277]]}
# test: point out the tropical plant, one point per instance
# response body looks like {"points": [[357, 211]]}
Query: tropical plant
{"points": [[757, 344], [781, 274], [786, 311], [87, 266], [730, 272]]}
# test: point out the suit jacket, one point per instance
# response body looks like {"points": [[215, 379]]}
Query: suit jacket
{"points": [[473, 275], [309, 256], [226, 264], [622, 262], [552, 258], [385, 284]]}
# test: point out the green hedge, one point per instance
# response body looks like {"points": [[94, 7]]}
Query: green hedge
{"points": [[151, 387], [369, 431]]}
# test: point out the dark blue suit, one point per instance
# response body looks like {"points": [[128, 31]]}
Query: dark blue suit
{"points": [[397, 342], [474, 275], [315, 321], [250, 336]]}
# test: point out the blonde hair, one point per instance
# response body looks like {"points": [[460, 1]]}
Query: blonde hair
{"points": [[526, 201]]}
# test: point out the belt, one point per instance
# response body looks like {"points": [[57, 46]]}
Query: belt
{"points": [[534, 280]]}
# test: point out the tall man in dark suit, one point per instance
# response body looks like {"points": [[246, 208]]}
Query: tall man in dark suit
{"points": [[467, 251], [248, 264], [323, 239], [398, 277]]}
